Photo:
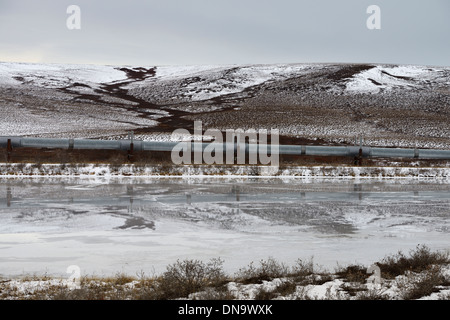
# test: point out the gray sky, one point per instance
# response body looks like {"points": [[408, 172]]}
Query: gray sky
{"points": [[177, 32]]}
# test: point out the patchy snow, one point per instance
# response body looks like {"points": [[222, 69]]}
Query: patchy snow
{"points": [[58, 75], [306, 172], [398, 288], [180, 71], [389, 77], [234, 81], [73, 120], [203, 83]]}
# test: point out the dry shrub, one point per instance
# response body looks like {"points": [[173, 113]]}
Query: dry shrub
{"points": [[354, 273], [420, 259], [268, 270], [189, 276], [302, 269], [424, 284]]}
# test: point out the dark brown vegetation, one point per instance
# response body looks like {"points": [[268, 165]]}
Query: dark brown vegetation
{"points": [[420, 259], [117, 157]]}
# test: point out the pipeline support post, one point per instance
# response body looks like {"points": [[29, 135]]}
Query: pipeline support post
{"points": [[8, 150], [71, 144], [131, 149], [360, 156]]}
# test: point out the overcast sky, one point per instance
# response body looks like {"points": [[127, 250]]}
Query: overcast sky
{"points": [[177, 32]]}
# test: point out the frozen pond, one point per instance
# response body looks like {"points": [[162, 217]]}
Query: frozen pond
{"points": [[134, 225]]}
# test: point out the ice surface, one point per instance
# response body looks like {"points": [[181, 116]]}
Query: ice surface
{"points": [[132, 225]]}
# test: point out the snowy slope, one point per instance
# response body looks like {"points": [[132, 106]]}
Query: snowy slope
{"points": [[396, 77], [208, 82], [57, 75], [62, 101]]}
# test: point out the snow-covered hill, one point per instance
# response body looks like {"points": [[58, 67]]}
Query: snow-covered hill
{"points": [[57, 75], [390, 105], [384, 78]]}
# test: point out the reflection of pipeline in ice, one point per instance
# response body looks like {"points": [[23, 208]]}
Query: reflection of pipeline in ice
{"points": [[188, 199], [235, 195], [130, 194], [8, 196], [358, 188], [235, 205]]}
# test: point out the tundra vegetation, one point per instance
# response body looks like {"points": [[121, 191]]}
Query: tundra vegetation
{"points": [[421, 274]]}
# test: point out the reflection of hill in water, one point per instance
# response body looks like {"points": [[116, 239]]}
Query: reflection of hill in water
{"points": [[327, 217], [265, 206]]}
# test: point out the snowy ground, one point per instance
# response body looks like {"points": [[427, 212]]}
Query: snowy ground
{"points": [[57, 75], [332, 288], [381, 78], [416, 172]]}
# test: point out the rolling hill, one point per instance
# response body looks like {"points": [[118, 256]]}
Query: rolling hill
{"points": [[388, 105]]}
